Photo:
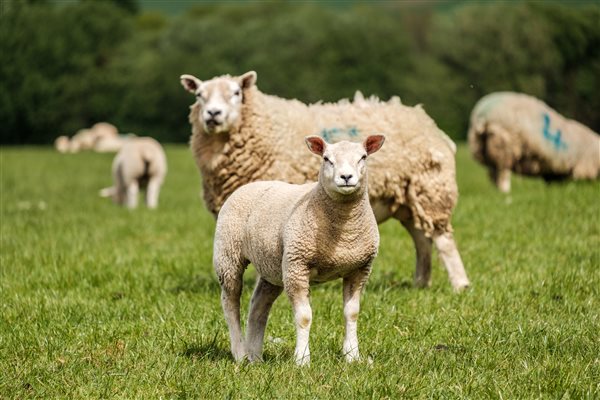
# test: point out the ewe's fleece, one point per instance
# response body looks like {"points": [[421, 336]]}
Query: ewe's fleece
{"points": [[412, 180], [516, 132]]}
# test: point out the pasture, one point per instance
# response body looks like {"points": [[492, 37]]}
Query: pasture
{"points": [[98, 301]]}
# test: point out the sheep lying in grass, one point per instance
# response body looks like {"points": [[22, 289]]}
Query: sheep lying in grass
{"points": [[62, 144], [140, 164], [241, 135], [296, 235], [102, 137], [517, 132]]}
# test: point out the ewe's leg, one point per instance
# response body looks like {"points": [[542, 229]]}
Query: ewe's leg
{"points": [[260, 305], [451, 259], [132, 195], [297, 289], [353, 285], [230, 276], [152, 192], [423, 254], [503, 180]]}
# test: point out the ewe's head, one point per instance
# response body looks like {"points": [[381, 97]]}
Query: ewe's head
{"points": [[220, 99], [343, 171]]}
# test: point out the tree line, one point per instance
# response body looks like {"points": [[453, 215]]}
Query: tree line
{"points": [[67, 66]]}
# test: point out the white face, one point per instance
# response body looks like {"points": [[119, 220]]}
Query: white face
{"points": [[220, 103], [343, 167], [220, 99]]}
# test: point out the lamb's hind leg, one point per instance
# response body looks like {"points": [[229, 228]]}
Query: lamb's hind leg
{"points": [[152, 192], [230, 275], [264, 295], [451, 259], [423, 254]]}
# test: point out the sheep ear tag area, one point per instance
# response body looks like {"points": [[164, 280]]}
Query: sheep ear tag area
{"points": [[373, 143], [315, 144]]}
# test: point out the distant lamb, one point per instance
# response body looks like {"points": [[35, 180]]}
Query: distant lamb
{"points": [[517, 132], [240, 135], [140, 164], [297, 235]]}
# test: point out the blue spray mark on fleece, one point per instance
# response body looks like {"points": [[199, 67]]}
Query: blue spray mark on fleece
{"points": [[555, 139], [338, 133]]}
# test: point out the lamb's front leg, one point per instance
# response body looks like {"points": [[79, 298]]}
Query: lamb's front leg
{"points": [[296, 285], [353, 285]]}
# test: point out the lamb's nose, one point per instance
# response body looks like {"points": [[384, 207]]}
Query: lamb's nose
{"points": [[346, 177], [213, 113]]}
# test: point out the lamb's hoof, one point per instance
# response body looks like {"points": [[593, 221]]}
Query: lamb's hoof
{"points": [[462, 287]]}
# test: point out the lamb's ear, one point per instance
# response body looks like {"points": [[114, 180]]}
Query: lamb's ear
{"points": [[248, 79], [373, 143], [315, 144], [190, 83]]}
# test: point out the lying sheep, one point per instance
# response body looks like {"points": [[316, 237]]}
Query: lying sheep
{"points": [[517, 132], [140, 164], [61, 144], [295, 235], [101, 137], [241, 135]]}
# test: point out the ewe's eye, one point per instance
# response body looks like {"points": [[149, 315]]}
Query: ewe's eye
{"points": [[363, 158], [237, 92], [327, 160], [199, 95]]}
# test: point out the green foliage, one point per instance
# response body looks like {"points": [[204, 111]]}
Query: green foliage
{"points": [[76, 64], [100, 302]]}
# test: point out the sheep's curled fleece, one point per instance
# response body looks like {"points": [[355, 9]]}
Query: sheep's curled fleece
{"points": [[514, 131], [413, 176]]}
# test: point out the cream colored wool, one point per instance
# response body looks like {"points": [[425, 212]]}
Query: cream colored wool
{"points": [[297, 235], [140, 164], [519, 133], [61, 144], [412, 180]]}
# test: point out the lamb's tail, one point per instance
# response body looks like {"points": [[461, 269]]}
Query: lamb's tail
{"points": [[107, 192]]}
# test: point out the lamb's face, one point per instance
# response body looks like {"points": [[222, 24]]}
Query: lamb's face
{"points": [[343, 171], [220, 100]]}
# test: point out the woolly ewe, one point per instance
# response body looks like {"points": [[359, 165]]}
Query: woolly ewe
{"points": [[240, 135]]}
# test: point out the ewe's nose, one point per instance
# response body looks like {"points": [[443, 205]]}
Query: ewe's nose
{"points": [[346, 177], [214, 112]]}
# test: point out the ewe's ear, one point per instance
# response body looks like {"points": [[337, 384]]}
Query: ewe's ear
{"points": [[315, 144], [373, 143], [190, 83], [247, 80]]}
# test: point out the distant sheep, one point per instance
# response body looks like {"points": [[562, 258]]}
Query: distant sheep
{"points": [[519, 133], [140, 164], [240, 135], [101, 137], [297, 235], [62, 144]]}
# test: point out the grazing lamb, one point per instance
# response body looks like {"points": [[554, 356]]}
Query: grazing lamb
{"points": [[241, 135], [295, 235], [140, 164], [516, 132]]}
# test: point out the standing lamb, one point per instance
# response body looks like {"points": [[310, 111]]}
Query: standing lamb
{"points": [[516, 132], [140, 164], [295, 235], [240, 135]]}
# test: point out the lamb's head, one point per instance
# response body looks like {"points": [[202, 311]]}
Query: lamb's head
{"points": [[220, 99], [343, 170]]}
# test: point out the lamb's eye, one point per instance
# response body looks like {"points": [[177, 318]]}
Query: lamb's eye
{"points": [[199, 95], [327, 160], [237, 92]]}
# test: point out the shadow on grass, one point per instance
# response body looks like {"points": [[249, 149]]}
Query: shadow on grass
{"points": [[207, 351]]}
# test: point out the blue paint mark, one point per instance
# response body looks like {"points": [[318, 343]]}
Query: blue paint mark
{"points": [[337, 133], [556, 138]]}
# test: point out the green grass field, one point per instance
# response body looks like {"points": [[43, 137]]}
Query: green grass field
{"points": [[97, 301]]}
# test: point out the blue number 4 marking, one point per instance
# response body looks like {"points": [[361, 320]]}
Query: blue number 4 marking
{"points": [[555, 138]]}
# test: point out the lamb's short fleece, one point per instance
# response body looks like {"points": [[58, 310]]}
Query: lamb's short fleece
{"points": [[297, 235]]}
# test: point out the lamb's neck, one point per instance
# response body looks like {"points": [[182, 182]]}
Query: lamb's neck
{"points": [[343, 208]]}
